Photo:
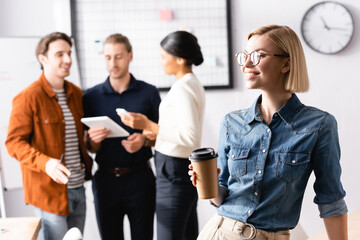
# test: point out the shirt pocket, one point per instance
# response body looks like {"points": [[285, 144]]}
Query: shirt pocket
{"points": [[49, 128], [237, 160], [291, 166]]}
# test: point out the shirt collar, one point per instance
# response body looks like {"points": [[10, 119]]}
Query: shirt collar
{"points": [[107, 88], [184, 78], [254, 111], [48, 89], [187, 76], [287, 112]]}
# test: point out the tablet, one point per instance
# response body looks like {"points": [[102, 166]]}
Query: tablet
{"points": [[104, 121]]}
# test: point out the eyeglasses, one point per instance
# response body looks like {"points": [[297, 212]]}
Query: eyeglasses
{"points": [[255, 56]]}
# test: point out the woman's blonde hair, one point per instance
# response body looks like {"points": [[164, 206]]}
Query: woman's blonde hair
{"points": [[297, 79]]}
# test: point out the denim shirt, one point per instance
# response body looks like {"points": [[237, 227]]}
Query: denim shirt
{"points": [[265, 167]]}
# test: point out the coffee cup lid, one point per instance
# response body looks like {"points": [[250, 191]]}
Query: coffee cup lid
{"points": [[202, 154]]}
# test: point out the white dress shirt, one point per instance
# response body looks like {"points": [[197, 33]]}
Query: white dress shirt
{"points": [[181, 117]]}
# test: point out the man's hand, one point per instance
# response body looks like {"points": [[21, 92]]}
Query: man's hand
{"points": [[97, 135], [58, 172], [134, 142], [134, 120]]}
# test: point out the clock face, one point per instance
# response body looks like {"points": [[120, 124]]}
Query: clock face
{"points": [[327, 27]]}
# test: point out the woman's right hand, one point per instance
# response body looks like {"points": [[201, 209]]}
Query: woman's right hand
{"points": [[134, 120], [149, 135]]}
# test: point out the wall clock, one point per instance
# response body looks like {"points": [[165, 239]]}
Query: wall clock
{"points": [[327, 27]]}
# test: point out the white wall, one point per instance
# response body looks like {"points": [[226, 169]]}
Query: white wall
{"points": [[33, 18], [334, 88]]}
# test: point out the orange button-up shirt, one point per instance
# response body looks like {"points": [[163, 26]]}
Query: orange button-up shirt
{"points": [[36, 133]]}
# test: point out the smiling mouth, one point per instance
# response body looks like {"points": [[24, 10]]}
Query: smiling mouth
{"points": [[66, 67], [250, 75]]}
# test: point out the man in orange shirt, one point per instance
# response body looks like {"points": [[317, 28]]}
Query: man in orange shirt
{"points": [[46, 136]]}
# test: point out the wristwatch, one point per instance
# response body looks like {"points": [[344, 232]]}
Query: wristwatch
{"points": [[146, 143]]}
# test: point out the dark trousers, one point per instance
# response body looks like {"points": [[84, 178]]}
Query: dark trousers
{"points": [[176, 199], [133, 195]]}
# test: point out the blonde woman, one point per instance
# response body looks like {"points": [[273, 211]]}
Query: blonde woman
{"points": [[268, 151]]}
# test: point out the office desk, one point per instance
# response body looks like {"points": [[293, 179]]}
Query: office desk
{"points": [[353, 228], [26, 228]]}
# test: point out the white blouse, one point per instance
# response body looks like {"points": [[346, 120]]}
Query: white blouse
{"points": [[181, 115]]}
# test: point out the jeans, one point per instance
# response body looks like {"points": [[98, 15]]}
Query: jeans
{"points": [[54, 227]]}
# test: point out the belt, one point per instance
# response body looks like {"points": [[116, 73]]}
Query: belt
{"points": [[118, 171], [246, 230]]}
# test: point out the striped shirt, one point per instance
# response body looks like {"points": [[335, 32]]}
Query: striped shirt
{"points": [[72, 151]]}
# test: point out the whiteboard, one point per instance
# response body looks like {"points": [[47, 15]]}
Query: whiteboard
{"points": [[146, 23], [18, 69]]}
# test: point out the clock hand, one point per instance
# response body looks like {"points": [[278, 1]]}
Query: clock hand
{"points": [[325, 25], [338, 28]]}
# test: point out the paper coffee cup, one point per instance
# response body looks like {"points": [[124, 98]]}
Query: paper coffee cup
{"points": [[204, 164]]}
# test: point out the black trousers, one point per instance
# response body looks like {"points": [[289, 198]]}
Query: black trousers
{"points": [[176, 199], [133, 195]]}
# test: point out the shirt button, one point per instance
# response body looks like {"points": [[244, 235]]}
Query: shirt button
{"points": [[249, 211], [293, 161], [275, 114], [263, 150], [268, 130], [259, 172], [255, 193], [233, 156], [46, 121]]}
